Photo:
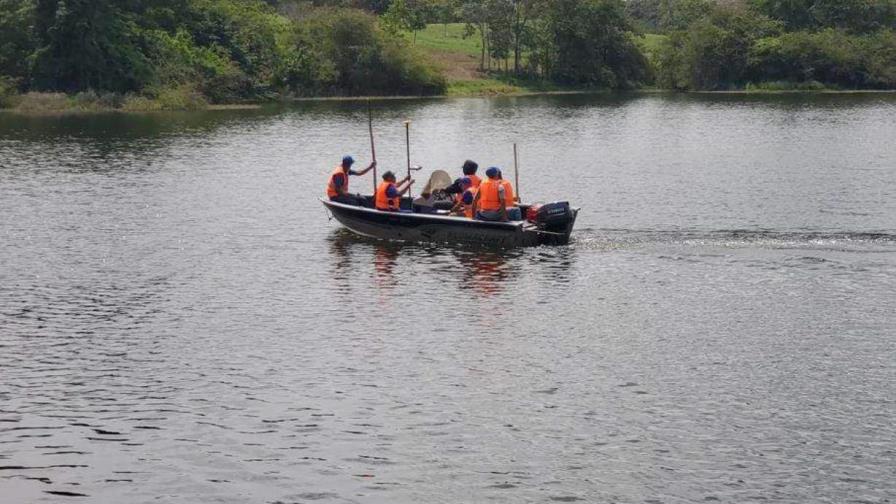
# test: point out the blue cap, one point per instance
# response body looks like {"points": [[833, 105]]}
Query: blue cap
{"points": [[492, 172], [347, 160], [466, 181]]}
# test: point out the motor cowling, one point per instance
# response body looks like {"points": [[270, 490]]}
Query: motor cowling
{"points": [[550, 215]]}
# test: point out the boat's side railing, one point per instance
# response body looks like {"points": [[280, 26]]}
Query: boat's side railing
{"points": [[444, 218]]}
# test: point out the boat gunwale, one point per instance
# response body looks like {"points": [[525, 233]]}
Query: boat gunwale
{"points": [[509, 226]]}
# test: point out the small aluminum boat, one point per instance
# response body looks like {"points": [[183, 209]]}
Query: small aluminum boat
{"points": [[550, 224]]}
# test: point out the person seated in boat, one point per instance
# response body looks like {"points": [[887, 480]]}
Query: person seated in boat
{"points": [[464, 204], [337, 185], [389, 193], [469, 168], [494, 200]]}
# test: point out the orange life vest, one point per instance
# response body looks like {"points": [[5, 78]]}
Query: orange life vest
{"points": [[489, 200], [509, 198], [332, 192], [474, 184], [383, 202], [468, 209]]}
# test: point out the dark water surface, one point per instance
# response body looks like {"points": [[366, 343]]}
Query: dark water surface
{"points": [[179, 322]]}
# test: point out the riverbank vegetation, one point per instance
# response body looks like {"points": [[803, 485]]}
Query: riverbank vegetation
{"points": [[183, 54], [169, 53], [771, 44]]}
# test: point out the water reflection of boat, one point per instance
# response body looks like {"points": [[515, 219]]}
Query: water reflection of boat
{"points": [[488, 272], [437, 226]]}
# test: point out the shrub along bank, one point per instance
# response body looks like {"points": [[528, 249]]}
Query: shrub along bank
{"points": [[760, 44], [182, 54]]}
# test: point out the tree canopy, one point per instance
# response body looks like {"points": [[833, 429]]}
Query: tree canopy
{"points": [[226, 49], [229, 50]]}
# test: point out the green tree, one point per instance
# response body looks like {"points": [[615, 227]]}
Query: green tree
{"points": [[475, 15], [88, 44], [680, 14], [713, 52], [16, 38], [852, 15], [592, 45], [406, 15], [351, 55], [524, 11], [830, 56], [645, 13]]}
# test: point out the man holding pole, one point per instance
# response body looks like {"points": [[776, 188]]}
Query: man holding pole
{"points": [[337, 186], [388, 194]]}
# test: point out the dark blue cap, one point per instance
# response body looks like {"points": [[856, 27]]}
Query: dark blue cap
{"points": [[347, 160], [492, 172], [466, 181]]}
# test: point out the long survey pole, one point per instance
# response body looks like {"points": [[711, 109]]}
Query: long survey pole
{"points": [[407, 142], [372, 145], [516, 174]]}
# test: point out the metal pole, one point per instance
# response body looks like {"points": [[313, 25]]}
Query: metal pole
{"points": [[516, 174], [372, 146], [407, 142]]}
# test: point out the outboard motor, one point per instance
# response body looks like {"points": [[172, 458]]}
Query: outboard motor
{"points": [[551, 216]]}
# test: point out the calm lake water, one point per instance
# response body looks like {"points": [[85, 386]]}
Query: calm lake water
{"points": [[180, 322]]}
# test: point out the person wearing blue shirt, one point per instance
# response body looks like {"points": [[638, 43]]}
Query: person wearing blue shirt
{"points": [[464, 202], [337, 186], [388, 194]]}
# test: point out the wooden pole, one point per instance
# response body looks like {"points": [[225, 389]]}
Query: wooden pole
{"points": [[516, 174], [407, 142], [372, 145]]}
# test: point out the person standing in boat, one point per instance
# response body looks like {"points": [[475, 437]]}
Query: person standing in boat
{"points": [[494, 200], [337, 185], [464, 205], [388, 194]]}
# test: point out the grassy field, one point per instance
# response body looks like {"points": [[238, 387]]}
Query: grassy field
{"points": [[449, 38], [459, 59]]}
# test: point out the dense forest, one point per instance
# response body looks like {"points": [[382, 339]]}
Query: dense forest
{"points": [[808, 44], [181, 52]]}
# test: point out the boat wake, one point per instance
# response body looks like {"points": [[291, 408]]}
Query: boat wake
{"points": [[609, 238]]}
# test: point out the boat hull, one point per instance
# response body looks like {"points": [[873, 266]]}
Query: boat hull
{"points": [[416, 227]]}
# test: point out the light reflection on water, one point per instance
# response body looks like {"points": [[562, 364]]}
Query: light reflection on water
{"points": [[179, 320]]}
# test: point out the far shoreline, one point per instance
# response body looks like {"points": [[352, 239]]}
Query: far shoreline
{"points": [[522, 93]]}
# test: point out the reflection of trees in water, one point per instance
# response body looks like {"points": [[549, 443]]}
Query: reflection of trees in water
{"points": [[384, 110], [115, 140], [124, 127]]}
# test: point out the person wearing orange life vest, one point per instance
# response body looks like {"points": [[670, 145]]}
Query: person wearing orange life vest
{"points": [[455, 190], [337, 185], [469, 170], [495, 200], [388, 194], [464, 204]]}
